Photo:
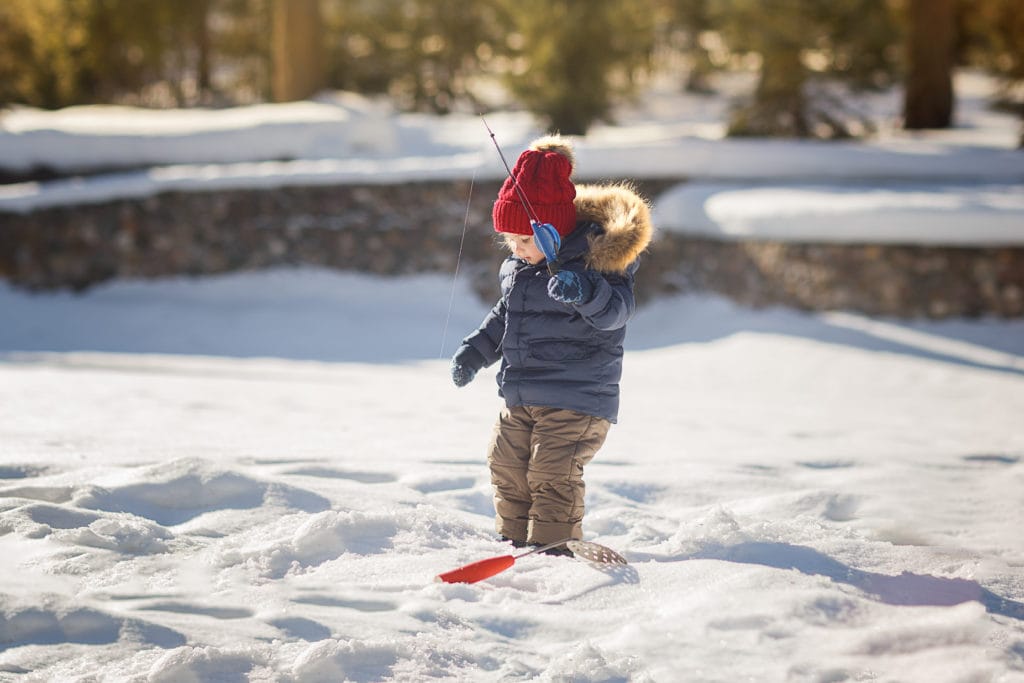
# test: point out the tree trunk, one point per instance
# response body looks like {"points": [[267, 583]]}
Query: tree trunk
{"points": [[928, 96], [297, 49]]}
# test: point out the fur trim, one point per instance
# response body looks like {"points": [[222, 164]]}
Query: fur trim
{"points": [[626, 219], [557, 144]]}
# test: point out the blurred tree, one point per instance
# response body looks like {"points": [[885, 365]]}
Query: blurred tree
{"points": [[424, 53], [16, 81], [44, 47], [449, 39], [928, 86], [54, 53], [573, 58], [173, 46], [297, 49], [185, 48], [240, 58], [685, 27], [567, 61], [993, 37], [802, 46]]}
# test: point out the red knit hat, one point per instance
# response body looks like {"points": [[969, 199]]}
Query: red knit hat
{"points": [[542, 173]]}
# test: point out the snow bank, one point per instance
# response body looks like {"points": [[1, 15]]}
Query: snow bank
{"points": [[100, 137], [901, 213]]}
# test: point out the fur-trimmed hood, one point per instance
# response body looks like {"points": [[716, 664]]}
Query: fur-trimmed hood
{"points": [[625, 219]]}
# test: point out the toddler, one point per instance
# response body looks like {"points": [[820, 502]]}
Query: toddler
{"points": [[558, 331]]}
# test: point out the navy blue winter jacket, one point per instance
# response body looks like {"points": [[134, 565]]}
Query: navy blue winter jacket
{"points": [[570, 355]]}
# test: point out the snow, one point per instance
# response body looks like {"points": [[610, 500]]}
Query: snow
{"points": [[907, 213], [257, 476], [929, 188]]}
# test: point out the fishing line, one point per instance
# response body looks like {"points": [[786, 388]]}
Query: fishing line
{"points": [[458, 261]]}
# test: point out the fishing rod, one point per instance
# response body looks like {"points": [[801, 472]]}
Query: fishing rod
{"points": [[484, 569], [515, 183], [544, 234]]}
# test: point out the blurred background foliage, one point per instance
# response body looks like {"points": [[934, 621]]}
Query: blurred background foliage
{"points": [[569, 62]]}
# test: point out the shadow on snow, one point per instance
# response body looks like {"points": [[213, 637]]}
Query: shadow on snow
{"points": [[904, 589]]}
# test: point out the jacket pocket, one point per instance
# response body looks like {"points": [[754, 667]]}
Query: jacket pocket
{"points": [[559, 350]]}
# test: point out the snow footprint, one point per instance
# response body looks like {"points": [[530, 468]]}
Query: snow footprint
{"points": [[361, 660], [360, 477], [360, 605], [433, 484], [463, 492], [19, 471], [54, 622], [826, 464], [212, 611], [320, 538], [991, 459], [119, 532], [300, 628], [50, 494], [638, 492], [182, 490], [202, 664]]}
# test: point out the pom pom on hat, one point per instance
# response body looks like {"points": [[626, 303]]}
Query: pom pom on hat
{"points": [[542, 173]]}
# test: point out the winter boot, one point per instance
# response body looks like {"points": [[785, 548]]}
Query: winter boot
{"points": [[514, 542], [558, 551]]}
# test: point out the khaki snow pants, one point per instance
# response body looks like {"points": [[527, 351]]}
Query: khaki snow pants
{"points": [[536, 459]]}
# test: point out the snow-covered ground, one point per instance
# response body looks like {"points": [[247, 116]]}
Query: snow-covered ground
{"points": [[257, 476], [801, 497]]}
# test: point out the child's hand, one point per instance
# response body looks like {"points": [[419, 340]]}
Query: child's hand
{"points": [[466, 362], [569, 287]]}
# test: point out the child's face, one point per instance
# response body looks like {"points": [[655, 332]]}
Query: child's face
{"points": [[523, 247]]}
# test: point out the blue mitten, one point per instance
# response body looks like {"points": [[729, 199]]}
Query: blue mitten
{"points": [[465, 364], [569, 287]]}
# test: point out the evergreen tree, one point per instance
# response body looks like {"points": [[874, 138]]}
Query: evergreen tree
{"points": [[994, 39], [44, 46], [572, 59], [240, 53], [684, 25], [16, 81], [423, 53], [801, 46], [55, 53]]}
